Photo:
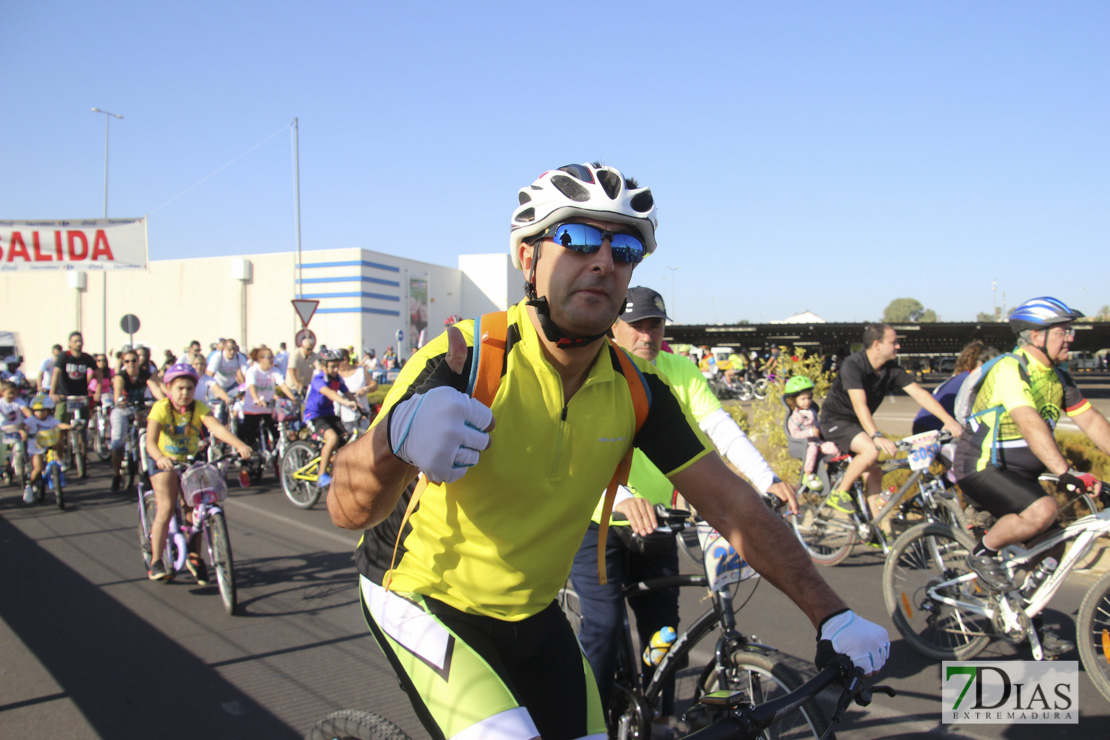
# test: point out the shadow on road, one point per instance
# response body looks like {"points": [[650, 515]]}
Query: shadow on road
{"points": [[126, 678]]}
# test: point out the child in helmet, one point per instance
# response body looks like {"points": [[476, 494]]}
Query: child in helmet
{"points": [[12, 412], [803, 424], [326, 390], [43, 433], [172, 436]]}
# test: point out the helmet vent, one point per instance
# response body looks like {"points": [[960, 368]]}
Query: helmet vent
{"points": [[523, 197], [527, 216], [642, 202], [568, 187], [610, 182]]}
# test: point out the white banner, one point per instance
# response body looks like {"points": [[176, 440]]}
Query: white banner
{"points": [[86, 244]]}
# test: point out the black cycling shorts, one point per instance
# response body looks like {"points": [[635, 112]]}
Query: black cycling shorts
{"points": [[841, 432], [322, 423], [1001, 492]]}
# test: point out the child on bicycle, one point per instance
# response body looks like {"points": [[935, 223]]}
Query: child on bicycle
{"points": [[172, 436], [326, 390], [12, 412], [803, 424], [43, 433]]}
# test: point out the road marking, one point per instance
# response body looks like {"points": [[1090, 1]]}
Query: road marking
{"points": [[332, 535]]}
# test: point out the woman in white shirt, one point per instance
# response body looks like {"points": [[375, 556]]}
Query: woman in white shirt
{"points": [[359, 383], [262, 380]]}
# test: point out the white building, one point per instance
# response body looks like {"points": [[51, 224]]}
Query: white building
{"points": [[365, 299]]}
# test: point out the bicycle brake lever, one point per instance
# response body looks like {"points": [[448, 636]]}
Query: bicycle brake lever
{"points": [[863, 698]]}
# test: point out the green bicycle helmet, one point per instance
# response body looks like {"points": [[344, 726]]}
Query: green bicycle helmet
{"points": [[797, 384]]}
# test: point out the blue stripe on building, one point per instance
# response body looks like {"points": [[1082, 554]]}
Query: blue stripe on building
{"points": [[376, 281], [381, 311], [353, 263], [361, 294]]}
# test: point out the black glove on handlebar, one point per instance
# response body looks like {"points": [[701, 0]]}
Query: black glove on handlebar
{"points": [[1074, 482]]}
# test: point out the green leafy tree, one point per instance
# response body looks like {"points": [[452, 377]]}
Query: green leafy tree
{"points": [[908, 309]]}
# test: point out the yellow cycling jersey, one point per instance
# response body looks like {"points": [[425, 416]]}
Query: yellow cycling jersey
{"points": [[689, 386], [500, 540], [991, 432], [180, 436]]}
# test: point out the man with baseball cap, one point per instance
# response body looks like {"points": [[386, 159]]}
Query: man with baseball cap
{"points": [[639, 330]]}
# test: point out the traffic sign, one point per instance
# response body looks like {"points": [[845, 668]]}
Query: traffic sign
{"points": [[129, 323], [400, 336], [305, 332], [305, 309]]}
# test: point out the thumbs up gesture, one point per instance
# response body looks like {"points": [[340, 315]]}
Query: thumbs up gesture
{"points": [[440, 429]]}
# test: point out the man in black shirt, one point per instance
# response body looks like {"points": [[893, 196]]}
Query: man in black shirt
{"points": [[71, 379], [865, 378]]}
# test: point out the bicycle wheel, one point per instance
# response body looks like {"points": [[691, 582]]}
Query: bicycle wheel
{"points": [[354, 724], [759, 388], [78, 447], [219, 555], [56, 482], [827, 533], [744, 391], [925, 556], [764, 678], [145, 521], [1093, 633], [303, 493]]}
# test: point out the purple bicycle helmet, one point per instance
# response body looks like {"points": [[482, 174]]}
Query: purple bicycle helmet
{"points": [[180, 370]]}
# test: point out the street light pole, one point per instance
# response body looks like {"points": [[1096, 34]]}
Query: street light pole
{"points": [[108, 116]]}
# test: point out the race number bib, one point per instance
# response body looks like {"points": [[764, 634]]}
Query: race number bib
{"points": [[924, 450]]}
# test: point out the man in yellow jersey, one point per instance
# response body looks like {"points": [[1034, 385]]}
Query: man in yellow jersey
{"points": [[1009, 441], [640, 331], [469, 620]]}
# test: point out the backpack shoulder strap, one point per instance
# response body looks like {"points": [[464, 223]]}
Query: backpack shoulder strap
{"points": [[490, 335], [641, 404], [997, 409], [486, 367]]}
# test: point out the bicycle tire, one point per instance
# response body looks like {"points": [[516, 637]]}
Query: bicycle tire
{"points": [[219, 555], [80, 463], [355, 724], [759, 388], [826, 533], [744, 391], [926, 554], [56, 482], [146, 516], [1092, 631], [764, 678], [303, 493]]}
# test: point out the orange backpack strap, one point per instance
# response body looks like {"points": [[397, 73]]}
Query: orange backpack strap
{"points": [[641, 404], [490, 332]]}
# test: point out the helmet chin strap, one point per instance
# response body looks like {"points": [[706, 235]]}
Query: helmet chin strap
{"points": [[552, 331]]}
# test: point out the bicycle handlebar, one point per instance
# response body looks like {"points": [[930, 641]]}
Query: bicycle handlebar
{"points": [[743, 722]]}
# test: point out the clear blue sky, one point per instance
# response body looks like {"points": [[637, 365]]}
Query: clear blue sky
{"points": [[826, 156]]}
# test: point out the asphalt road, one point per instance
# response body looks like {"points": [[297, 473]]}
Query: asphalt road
{"points": [[90, 648]]}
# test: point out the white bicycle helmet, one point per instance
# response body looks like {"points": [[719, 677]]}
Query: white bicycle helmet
{"points": [[583, 190]]}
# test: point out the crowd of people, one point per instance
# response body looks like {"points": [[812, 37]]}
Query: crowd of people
{"points": [[527, 431]]}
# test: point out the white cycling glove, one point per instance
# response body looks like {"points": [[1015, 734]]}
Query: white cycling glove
{"points": [[865, 643], [440, 431]]}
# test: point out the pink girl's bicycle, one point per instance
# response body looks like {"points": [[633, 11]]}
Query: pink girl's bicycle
{"points": [[203, 488]]}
